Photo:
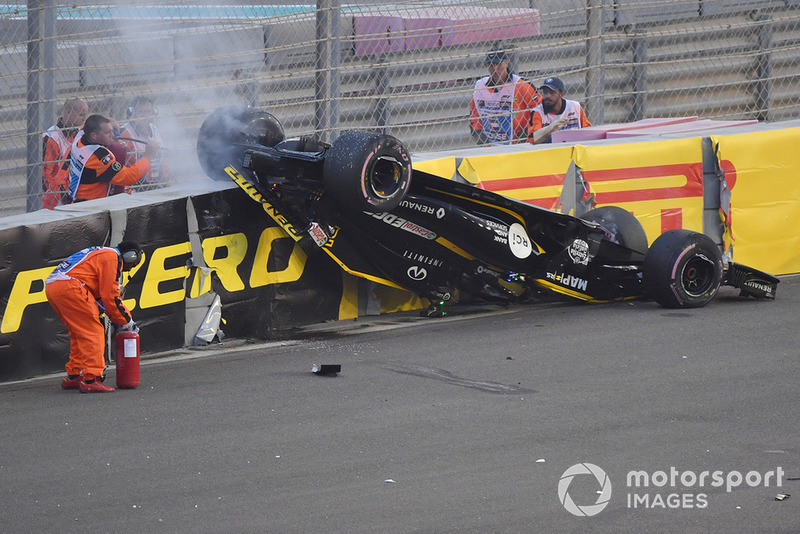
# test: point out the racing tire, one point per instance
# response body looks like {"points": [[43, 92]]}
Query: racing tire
{"points": [[228, 131], [367, 171], [682, 269], [620, 225]]}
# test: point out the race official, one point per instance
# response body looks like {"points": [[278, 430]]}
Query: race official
{"points": [[56, 144], [93, 169], [500, 110], [78, 289], [555, 113], [140, 129]]}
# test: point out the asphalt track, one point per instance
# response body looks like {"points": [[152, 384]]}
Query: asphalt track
{"points": [[465, 424]]}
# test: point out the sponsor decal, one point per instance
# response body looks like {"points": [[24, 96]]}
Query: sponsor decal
{"points": [[440, 213], [106, 159], [759, 286], [416, 272], [515, 237], [279, 218], [403, 224], [441, 295], [332, 238], [165, 273], [317, 234], [418, 206], [579, 252], [117, 166], [421, 258], [270, 210], [496, 226], [519, 242], [568, 280]]}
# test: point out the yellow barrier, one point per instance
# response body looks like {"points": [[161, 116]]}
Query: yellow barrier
{"points": [[535, 177], [761, 169], [661, 182]]}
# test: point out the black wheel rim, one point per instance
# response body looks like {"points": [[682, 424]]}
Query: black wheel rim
{"points": [[698, 275], [385, 177], [262, 130]]}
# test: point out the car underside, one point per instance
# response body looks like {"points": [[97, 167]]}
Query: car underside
{"points": [[358, 201]]}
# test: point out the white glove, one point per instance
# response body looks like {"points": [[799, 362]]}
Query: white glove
{"points": [[130, 325]]}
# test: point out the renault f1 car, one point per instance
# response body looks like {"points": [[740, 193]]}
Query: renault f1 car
{"points": [[358, 201]]}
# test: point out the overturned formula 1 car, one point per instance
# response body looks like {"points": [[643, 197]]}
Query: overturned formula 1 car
{"points": [[356, 201]]}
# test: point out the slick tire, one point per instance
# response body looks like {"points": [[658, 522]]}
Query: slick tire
{"points": [[367, 171], [228, 131], [620, 225], [682, 269]]}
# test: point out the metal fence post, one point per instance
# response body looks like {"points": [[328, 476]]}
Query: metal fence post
{"points": [[34, 98], [82, 53], [269, 58], [763, 67], [595, 76], [49, 112], [326, 79], [382, 85], [639, 76]]}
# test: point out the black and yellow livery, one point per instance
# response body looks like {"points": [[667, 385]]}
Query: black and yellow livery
{"points": [[356, 201]]}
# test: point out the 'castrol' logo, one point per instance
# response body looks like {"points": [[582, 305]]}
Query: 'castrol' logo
{"points": [[403, 224]]}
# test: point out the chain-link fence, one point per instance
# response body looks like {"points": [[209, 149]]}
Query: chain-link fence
{"points": [[405, 67]]}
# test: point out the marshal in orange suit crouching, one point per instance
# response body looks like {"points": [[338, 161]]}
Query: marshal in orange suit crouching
{"points": [[78, 289]]}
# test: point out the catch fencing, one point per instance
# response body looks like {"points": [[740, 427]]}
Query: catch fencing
{"points": [[405, 67]]}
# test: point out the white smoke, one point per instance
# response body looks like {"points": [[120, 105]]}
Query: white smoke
{"points": [[197, 60]]}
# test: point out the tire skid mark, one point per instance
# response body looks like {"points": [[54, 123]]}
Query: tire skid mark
{"points": [[449, 378]]}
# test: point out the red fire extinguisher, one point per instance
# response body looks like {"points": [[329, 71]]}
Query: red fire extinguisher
{"points": [[127, 357]]}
